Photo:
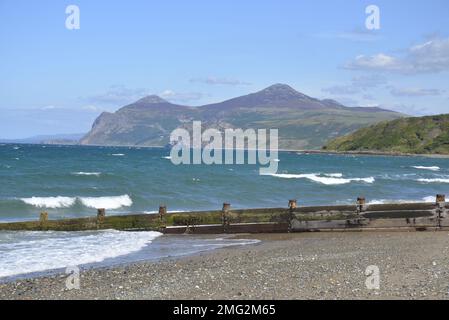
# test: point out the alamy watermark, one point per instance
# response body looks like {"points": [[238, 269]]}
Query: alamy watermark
{"points": [[238, 146], [372, 22], [72, 282], [372, 281], [72, 22]]}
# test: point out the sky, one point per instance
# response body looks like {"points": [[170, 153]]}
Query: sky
{"points": [[55, 79]]}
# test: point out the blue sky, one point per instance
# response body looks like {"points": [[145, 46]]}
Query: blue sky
{"points": [[55, 80]]}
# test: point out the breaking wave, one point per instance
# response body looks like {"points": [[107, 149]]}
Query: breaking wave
{"points": [[436, 180], [50, 202], [428, 199], [327, 179], [113, 202], [107, 202], [41, 251], [97, 174], [435, 168]]}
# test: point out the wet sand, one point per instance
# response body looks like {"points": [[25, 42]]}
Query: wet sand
{"points": [[412, 265]]}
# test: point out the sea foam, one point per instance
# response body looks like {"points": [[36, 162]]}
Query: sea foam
{"points": [[81, 173], [50, 250], [327, 179], [428, 199], [50, 202], [107, 202], [113, 202], [436, 180], [434, 168]]}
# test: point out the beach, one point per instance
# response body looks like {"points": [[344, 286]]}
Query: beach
{"points": [[412, 265]]}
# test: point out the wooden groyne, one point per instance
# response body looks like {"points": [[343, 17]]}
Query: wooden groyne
{"points": [[358, 217]]}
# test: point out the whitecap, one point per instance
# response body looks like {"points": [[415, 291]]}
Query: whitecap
{"points": [[428, 199], [118, 154], [433, 168], [437, 180], [50, 250], [168, 158], [157, 211], [50, 202], [107, 202], [323, 180], [81, 173], [334, 175]]}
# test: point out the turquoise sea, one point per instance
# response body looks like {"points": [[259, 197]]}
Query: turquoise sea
{"points": [[72, 181]]}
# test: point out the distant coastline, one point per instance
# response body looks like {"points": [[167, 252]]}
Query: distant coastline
{"points": [[305, 151]]}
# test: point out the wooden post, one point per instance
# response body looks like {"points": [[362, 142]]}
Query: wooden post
{"points": [[292, 204], [224, 218], [361, 202], [441, 210], [43, 217], [162, 211], [101, 213], [226, 207]]}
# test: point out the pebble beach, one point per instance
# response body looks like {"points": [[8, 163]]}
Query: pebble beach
{"points": [[412, 265]]}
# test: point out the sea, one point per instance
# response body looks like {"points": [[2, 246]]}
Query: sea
{"points": [[73, 181]]}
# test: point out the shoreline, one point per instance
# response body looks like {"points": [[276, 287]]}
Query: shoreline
{"points": [[282, 266], [306, 151]]}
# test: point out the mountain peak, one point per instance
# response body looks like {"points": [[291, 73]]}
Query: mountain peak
{"points": [[151, 99], [279, 87], [281, 90]]}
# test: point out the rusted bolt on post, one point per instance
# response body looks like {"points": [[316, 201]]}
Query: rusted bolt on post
{"points": [[43, 217], [361, 204], [162, 211]]}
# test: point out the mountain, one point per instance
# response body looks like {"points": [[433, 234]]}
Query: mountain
{"points": [[419, 135], [70, 138], [303, 122]]}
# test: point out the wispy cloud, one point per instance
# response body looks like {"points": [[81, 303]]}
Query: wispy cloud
{"points": [[356, 35], [414, 92], [411, 109], [358, 84], [220, 81], [181, 96], [342, 89], [429, 57], [118, 95]]}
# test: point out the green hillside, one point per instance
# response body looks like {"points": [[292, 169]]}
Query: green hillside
{"points": [[421, 135], [303, 122]]}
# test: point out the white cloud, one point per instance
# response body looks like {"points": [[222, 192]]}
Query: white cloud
{"points": [[376, 62], [429, 57]]}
